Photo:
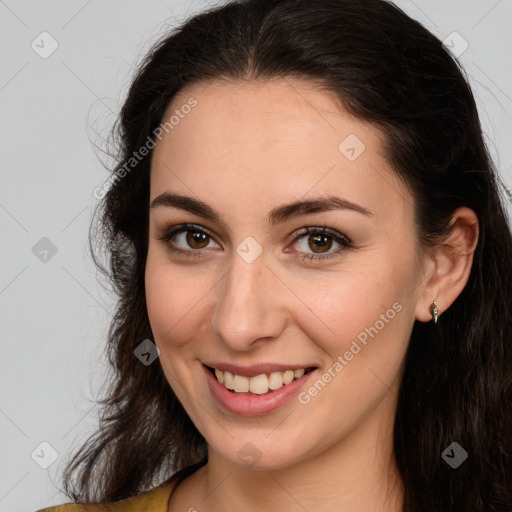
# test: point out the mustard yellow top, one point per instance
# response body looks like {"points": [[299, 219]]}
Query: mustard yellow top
{"points": [[154, 500]]}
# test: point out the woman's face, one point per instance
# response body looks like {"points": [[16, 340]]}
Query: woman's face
{"points": [[259, 163]]}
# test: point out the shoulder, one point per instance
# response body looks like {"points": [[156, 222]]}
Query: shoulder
{"points": [[155, 500]]}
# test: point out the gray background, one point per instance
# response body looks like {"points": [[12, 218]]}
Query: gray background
{"points": [[54, 313]]}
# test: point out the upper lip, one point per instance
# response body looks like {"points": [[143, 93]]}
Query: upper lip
{"points": [[255, 369]]}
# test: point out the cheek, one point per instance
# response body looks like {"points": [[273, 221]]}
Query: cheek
{"points": [[175, 299], [360, 308], [362, 330]]}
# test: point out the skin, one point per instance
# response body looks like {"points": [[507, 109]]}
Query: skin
{"points": [[246, 148]]}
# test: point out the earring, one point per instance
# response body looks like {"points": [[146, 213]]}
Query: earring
{"points": [[435, 311]]}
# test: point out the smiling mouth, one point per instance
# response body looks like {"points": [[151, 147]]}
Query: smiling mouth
{"points": [[259, 384]]}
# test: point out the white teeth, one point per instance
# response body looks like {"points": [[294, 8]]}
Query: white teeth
{"points": [[288, 376], [260, 384], [228, 380], [219, 375], [240, 384], [275, 380]]}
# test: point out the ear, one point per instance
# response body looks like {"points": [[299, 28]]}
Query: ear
{"points": [[449, 265]]}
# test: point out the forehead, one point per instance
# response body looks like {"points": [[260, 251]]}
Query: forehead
{"points": [[271, 141]]}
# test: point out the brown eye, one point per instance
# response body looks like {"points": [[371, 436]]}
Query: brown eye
{"points": [[187, 239], [196, 239], [319, 241]]}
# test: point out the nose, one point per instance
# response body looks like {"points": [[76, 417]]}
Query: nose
{"points": [[249, 309]]}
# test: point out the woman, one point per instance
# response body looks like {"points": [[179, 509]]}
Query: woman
{"points": [[314, 270]]}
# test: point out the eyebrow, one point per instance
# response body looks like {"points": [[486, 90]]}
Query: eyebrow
{"points": [[276, 216]]}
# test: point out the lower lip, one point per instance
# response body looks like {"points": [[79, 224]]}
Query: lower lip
{"points": [[249, 404]]}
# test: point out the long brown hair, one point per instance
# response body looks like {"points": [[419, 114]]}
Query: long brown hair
{"points": [[385, 68]]}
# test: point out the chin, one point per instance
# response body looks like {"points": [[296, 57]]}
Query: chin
{"points": [[260, 454]]}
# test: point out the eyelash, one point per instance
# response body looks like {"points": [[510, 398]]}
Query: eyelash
{"points": [[345, 242]]}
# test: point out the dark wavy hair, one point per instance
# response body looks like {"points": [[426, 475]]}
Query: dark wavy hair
{"points": [[386, 68]]}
